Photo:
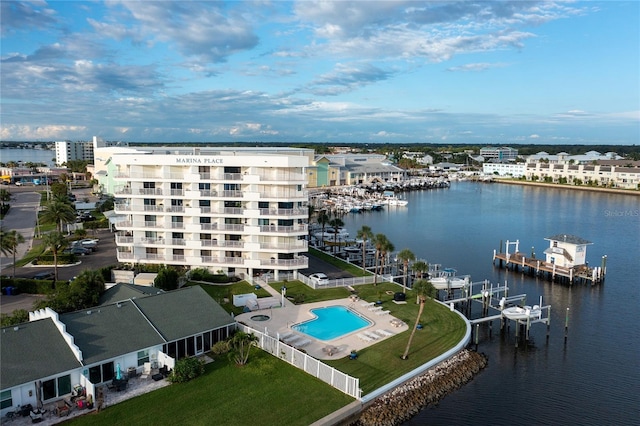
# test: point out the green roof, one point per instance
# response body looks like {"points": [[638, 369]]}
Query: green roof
{"points": [[184, 312], [22, 352], [106, 332], [124, 291]]}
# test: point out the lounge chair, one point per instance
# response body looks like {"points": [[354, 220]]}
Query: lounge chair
{"points": [[384, 333], [302, 343], [371, 335], [382, 313], [364, 303], [375, 308], [364, 338]]}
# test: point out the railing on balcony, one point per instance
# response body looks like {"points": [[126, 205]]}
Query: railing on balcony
{"points": [[223, 260], [178, 257], [122, 239], [298, 245], [231, 243], [152, 240], [231, 227], [284, 212], [233, 210], [122, 191], [177, 192], [175, 209], [122, 207], [177, 225], [125, 255], [208, 243], [298, 261], [208, 193], [178, 241], [208, 226], [232, 176], [284, 229], [150, 191], [124, 224], [229, 193], [283, 194], [270, 176], [151, 208]]}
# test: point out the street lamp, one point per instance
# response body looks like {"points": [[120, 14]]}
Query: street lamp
{"points": [[283, 294]]}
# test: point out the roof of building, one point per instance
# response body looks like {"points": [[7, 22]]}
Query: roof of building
{"points": [[22, 353], [108, 331], [192, 305], [571, 239], [124, 291]]}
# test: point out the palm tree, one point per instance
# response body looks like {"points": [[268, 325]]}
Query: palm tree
{"points": [[420, 267], [55, 241], [336, 223], [405, 256], [58, 212], [323, 219], [241, 343], [86, 289], [10, 242], [364, 234], [383, 246], [424, 289]]}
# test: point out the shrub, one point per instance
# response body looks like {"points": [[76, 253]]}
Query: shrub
{"points": [[27, 285], [221, 347], [186, 369]]}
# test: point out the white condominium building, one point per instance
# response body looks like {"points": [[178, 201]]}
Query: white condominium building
{"points": [[76, 150], [237, 210]]}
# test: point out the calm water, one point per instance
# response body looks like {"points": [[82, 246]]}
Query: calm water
{"points": [[593, 379], [28, 155]]}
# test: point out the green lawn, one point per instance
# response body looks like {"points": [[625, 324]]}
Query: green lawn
{"points": [[267, 391], [345, 266], [221, 292]]}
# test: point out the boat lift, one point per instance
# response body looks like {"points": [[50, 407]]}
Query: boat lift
{"points": [[497, 299]]}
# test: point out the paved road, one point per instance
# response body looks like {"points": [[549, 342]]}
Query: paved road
{"points": [[22, 218]]}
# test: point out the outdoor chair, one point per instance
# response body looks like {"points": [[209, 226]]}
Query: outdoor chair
{"points": [[146, 371]]}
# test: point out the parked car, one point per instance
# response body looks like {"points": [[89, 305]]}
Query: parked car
{"points": [[18, 183], [77, 250], [44, 276], [87, 243], [319, 278]]}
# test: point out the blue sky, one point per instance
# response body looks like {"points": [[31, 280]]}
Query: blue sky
{"points": [[487, 72]]}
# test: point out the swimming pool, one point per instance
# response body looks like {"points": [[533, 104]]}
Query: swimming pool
{"points": [[331, 322]]}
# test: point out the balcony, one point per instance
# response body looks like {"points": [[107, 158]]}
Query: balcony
{"points": [[284, 229], [233, 210], [231, 194], [223, 260], [298, 245], [231, 227], [285, 212], [122, 239], [150, 208], [177, 225], [208, 226], [123, 191], [152, 240], [121, 207], [178, 241], [150, 191], [175, 209], [178, 192], [298, 262], [283, 194], [208, 193], [285, 177]]}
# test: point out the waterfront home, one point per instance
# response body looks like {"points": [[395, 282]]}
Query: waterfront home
{"points": [[51, 355], [566, 250]]}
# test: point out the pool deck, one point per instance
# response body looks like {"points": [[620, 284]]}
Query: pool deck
{"points": [[383, 326]]}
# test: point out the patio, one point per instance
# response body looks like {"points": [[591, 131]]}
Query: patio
{"points": [[135, 386], [383, 326]]}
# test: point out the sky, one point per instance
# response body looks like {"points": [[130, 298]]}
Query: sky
{"points": [[445, 72]]}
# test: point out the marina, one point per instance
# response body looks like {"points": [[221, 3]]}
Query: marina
{"points": [[461, 227]]}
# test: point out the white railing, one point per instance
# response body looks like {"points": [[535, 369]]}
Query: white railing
{"points": [[310, 365], [284, 212], [231, 227], [233, 210], [298, 245], [175, 209], [150, 191], [302, 261], [231, 193], [341, 282], [123, 239], [284, 229]]}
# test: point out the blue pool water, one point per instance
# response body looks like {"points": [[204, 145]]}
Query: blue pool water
{"points": [[331, 322]]}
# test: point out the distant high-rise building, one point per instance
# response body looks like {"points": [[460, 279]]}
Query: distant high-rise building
{"points": [[500, 154], [77, 150]]}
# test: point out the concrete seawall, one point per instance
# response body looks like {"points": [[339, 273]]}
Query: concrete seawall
{"points": [[572, 187]]}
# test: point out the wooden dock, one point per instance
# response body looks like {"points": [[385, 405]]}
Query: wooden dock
{"points": [[551, 271]]}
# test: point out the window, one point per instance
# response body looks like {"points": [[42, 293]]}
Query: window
{"points": [[56, 387], [204, 186], [148, 185], [5, 399], [263, 204], [143, 356]]}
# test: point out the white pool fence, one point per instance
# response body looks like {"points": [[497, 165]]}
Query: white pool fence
{"points": [[310, 365]]}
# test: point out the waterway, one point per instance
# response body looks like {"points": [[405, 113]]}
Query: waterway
{"points": [[28, 155], [592, 377]]}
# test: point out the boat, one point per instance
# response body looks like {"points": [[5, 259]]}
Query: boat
{"points": [[446, 279], [397, 202], [522, 312]]}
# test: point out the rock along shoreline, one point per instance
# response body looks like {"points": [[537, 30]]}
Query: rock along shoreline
{"points": [[407, 400]]}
